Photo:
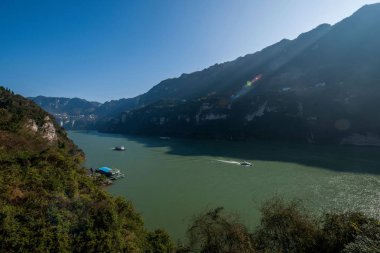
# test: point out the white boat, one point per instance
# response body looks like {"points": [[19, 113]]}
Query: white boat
{"points": [[119, 148], [245, 163]]}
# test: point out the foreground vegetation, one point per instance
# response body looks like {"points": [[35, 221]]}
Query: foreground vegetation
{"points": [[285, 227]]}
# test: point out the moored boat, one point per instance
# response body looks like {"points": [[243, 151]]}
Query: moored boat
{"points": [[112, 174]]}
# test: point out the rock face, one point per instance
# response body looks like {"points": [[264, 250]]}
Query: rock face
{"points": [[259, 113], [32, 126], [48, 130]]}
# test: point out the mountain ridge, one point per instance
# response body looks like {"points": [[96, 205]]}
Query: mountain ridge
{"points": [[282, 91]]}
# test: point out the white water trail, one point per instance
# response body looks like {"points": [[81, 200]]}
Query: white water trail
{"points": [[230, 162]]}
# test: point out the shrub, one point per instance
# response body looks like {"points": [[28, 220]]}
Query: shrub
{"points": [[215, 231], [353, 230], [285, 227], [159, 242]]}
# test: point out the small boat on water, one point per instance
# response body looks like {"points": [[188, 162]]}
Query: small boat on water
{"points": [[165, 138], [119, 148], [245, 163], [112, 174]]}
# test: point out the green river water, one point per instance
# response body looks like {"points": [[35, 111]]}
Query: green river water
{"points": [[170, 181]]}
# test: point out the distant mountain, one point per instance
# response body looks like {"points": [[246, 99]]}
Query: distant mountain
{"points": [[72, 113], [72, 106], [323, 86]]}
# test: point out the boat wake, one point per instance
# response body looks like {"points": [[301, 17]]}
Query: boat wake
{"points": [[230, 162]]}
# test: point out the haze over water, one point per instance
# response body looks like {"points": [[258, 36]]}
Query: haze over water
{"points": [[170, 181]]}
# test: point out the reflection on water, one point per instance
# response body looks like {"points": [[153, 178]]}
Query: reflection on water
{"points": [[169, 181]]}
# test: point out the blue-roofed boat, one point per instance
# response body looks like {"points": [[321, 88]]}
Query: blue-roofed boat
{"points": [[110, 173]]}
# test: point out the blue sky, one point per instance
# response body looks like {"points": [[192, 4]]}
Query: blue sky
{"points": [[110, 49]]}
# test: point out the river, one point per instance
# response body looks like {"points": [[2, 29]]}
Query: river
{"points": [[170, 181]]}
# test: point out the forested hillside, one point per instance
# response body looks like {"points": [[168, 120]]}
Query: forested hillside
{"points": [[48, 203]]}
